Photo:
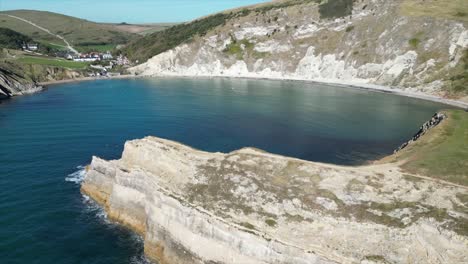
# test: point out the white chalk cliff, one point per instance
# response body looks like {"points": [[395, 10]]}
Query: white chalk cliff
{"points": [[377, 44], [249, 206]]}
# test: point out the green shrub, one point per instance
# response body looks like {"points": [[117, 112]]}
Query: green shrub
{"points": [[248, 225], [238, 48], [270, 222], [349, 28], [335, 8], [11, 39], [144, 48], [414, 42]]}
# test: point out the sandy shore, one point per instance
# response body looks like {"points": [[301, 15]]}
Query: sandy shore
{"points": [[83, 79], [361, 86]]}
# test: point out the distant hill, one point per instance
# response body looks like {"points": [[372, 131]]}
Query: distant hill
{"points": [[11, 39], [76, 31]]}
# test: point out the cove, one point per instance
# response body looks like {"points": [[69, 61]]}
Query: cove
{"points": [[45, 136]]}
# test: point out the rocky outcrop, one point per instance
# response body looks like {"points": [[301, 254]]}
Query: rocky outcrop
{"points": [[249, 206], [377, 43], [433, 122], [12, 84]]}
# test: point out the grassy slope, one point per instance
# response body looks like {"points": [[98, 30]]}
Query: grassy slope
{"points": [[442, 153], [76, 31], [11, 39], [450, 9], [52, 62]]}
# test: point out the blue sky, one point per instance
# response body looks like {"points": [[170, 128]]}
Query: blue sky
{"points": [[130, 11]]}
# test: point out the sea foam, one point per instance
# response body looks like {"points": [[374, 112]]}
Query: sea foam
{"points": [[77, 176]]}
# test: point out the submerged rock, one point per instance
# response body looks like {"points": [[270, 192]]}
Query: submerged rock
{"points": [[249, 206]]}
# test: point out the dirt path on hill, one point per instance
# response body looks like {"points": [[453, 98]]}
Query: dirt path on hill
{"points": [[69, 46]]}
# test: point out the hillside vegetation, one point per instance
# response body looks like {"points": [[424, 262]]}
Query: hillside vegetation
{"points": [[156, 43], [77, 31], [11, 39], [442, 153], [450, 9]]}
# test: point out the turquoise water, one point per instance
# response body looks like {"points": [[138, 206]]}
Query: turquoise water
{"points": [[46, 137]]}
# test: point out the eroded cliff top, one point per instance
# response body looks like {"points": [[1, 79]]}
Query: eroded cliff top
{"points": [[341, 213]]}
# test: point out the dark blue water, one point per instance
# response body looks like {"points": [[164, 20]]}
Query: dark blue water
{"points": [[44, 137]]}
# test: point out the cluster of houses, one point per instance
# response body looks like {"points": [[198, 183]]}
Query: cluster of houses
{"points": [[97, 56], [90, 57], [84, 57]]}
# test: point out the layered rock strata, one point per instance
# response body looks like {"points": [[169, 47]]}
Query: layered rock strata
{"points": [[12, 85], [249, 206]]}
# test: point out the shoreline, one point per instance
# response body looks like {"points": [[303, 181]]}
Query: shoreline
{"points": [[84, 79], [342, 84]]}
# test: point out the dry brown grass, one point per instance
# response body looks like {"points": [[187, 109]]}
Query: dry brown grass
{"points": [[449, 9]]}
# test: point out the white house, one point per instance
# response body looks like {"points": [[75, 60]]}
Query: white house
{"points": [[107, 56], [30, 46]]}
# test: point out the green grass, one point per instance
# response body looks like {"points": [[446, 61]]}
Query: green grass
{"points": [[97, 48], [414, 42], [76, 31], [450, 9], [53, 62], [459, 77], [238, 48], [10, 39], [156, 43], [442, 153], [159, 42], [335, 8]]}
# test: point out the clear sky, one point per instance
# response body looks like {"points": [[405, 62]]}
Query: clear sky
{"points": [[130, 11]]}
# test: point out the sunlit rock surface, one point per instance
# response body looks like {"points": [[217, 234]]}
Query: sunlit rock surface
{"points": [[249, 206], [377, 44], [12, 84]]}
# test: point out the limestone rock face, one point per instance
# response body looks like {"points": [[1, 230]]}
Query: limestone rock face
{"points": [[377, 43], [249, 206], [12, 84]]}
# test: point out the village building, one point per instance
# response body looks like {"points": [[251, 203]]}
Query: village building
{"points": [[107, 56], [30, 46]]}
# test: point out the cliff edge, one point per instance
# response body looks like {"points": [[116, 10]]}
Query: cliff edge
{"points": [[249, 206], [12, 84]]}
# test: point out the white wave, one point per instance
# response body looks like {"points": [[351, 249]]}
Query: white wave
{"points": [[77, 176], [92, 207]]}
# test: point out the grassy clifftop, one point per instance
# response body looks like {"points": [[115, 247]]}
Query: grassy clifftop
{"points": [[442, 153]]}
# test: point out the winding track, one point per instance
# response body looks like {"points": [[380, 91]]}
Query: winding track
{"points": [[69, 46]]}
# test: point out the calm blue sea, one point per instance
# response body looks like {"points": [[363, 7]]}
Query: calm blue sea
{"points": [[46, 137]]}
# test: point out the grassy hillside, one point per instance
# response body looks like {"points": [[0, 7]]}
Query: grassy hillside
{"points": [[156, 43], [77, 31], [442, 153], [61, 63], [450, 9], [11, 39]]}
